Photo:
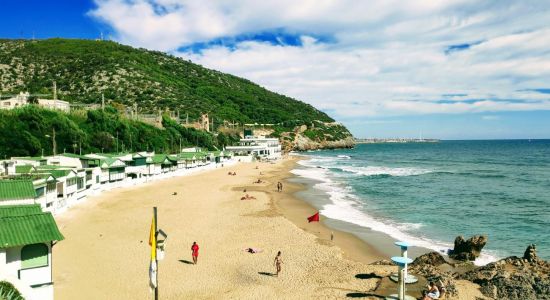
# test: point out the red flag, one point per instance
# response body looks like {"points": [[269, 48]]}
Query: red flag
{"points": [[314, 218]]}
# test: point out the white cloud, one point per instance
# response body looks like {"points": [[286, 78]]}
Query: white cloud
{"points": [[385, 57]]}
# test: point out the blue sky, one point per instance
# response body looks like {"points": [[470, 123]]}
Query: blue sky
{"points": [[457, 69]]}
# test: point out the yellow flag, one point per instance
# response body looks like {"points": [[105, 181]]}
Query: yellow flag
{"points": [[153, 241]]}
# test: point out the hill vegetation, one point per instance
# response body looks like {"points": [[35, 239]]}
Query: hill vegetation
{"points": [[84, 69], [28, 131]]}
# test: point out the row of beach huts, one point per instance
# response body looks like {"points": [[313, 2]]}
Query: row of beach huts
{"points": [[34, 189]]}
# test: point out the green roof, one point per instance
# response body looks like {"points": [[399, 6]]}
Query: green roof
{"points": [[110, 161], [72, 155], [19, 210], [187, 155], [22, 169], [158, 158], [28, 229], [54, 167], [36, 158], [16, 190], [55, 172]]}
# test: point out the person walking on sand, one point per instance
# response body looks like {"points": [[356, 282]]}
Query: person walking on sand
{"points": [[278, 261], [195, 252], [279, 186]]}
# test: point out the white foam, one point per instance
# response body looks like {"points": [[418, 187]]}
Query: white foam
{"points": [[346, 207], [379, 170], [344, 156]]}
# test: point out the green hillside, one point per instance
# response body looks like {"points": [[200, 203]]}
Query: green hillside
{"points": [[84, 69], [28, 131]]}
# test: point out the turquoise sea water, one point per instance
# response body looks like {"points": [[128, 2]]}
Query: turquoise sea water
{"points": [[428, 193]]}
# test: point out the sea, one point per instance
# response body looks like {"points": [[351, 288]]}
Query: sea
{"points": [[429, 193]]}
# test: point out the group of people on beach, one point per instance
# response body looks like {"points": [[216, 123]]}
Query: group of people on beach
{"points": [[232, 173], [277, 262]]}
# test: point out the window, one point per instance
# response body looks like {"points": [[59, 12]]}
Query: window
{"points": [[39, 192], [34, 256], [50, 187], [71, 181]]}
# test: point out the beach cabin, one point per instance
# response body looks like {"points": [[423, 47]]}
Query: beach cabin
{"points": [[29, 189], [190, 159], [70, 183], [46, 191], [27, 236], [17, 191], [180, 161], [7, 167], [114, 169], [136, 165], [162, 163]]}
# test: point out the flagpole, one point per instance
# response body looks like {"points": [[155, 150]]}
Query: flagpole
{"points": [[156, 260]]}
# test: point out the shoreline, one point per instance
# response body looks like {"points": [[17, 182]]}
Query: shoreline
{"points": [[105, 253], [296, 210], [380, 244]]}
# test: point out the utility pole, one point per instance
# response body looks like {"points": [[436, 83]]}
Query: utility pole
{"points": [[54, 90], [102, 102], [156, 260], [117, 141], [54, 144]]}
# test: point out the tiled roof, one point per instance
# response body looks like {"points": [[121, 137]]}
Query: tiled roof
{"points": [[16, 189], [28, 229], [19, 210]]}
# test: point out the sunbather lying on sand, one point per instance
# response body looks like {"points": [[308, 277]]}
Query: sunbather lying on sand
{"points": [[253, 250], [248, 197]]}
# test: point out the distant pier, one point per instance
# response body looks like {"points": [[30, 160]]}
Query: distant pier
{"points": [[395, 140]]}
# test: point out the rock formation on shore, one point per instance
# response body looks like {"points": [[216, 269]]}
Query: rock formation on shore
{"points": [[468, 250], [427, 265], [515, 278]]}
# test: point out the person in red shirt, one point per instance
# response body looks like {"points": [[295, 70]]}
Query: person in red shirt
{"points": [[195, 252]]}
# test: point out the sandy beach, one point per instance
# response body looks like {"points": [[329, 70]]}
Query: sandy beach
{"points": [[105, 254]]}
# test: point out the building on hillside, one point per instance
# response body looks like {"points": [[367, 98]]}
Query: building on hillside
{"points": [[27, 236], [15, 102], [55, 104], [23, 99], [259, 147]]}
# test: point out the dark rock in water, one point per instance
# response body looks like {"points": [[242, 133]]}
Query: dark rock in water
{"points": [[432, 258], [531, 253], [514, 278], [468, 250]]}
